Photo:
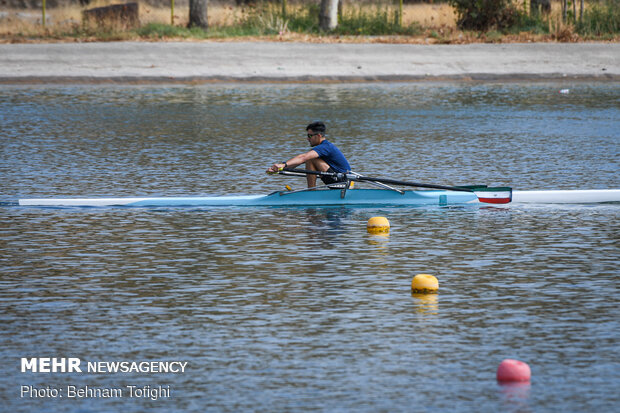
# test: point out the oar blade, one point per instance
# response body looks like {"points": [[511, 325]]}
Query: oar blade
{"points": [[497, 195]]}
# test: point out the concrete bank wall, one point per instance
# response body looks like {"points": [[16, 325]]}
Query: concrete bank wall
{"points": [[278, 61]]}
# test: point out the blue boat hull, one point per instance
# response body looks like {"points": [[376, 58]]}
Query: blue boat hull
{"points": [[353, 197]]}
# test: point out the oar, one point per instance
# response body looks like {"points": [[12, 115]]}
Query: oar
{"points": [[355, 177]]}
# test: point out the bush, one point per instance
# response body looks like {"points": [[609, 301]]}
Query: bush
{"points": [[306, 20], [534, 23], [373, 22], [601, 18], [483, 15]]}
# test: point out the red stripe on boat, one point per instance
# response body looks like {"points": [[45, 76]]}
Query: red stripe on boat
{"points": [[494, 200]]}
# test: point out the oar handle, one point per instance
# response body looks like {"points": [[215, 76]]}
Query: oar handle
{"points": [[306, 171]]}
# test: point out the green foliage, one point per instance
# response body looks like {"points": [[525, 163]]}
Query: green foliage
{"points": [[534, 24], [305, 21], [483, 15], [364, 21], [160, 31], [267, 19], [601, 18]]}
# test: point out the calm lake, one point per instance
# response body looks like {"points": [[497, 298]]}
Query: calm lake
{"points": [[300, 309]]}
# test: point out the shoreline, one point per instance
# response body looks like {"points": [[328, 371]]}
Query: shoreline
{"points": [[137, 81], [277, 62]]}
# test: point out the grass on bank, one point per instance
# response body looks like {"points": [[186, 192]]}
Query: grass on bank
{"points": [[600, 21], [421, 23], [268, 21]]}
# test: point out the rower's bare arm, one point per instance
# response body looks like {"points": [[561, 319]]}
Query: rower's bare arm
{"points": [[301, 159], [294, 161]]}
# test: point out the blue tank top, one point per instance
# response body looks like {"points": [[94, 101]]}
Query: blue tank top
{"points": [[332, 156]]}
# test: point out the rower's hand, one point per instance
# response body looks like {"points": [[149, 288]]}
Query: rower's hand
{"points": [[275, 168]]}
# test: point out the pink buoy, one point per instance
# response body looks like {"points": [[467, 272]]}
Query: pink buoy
{"points": [[511, 370]]}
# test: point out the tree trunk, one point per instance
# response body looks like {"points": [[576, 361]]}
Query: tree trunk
{"points": [[198, 14], [574, 11], [564, 9], [328, 16]]}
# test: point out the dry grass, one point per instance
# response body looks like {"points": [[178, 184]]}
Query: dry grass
{"points": [[438, 23], [430, 16], [64, 19]]}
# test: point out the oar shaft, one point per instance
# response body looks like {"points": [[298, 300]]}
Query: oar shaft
{"points": [[289, 173], [416, 184], [353, 177]]}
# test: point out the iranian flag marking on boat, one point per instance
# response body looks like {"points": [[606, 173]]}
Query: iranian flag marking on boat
{"points": [[501, 195]]}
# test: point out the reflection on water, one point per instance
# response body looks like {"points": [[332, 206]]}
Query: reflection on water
{"points": [[379, 240], [300, 309], [515, 397], [426, 303], [326, 225]]}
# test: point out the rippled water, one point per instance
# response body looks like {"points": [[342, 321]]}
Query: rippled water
{"points": [[299, 309]]}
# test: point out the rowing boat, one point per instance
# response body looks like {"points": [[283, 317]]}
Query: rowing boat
{"points": [[359, 197], [306, 198], [340, 193], [574, 196]]}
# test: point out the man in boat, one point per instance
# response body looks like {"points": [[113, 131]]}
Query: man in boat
{"points": [[324, 157]]}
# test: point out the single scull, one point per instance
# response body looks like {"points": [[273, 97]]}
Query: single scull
{"points": [[342, 194], [306, 198]]}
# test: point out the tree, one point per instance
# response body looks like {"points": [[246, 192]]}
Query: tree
{"points": [[198, 14], [328, 16]]}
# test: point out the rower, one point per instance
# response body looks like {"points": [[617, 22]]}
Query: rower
{"points": [[324, 157]]}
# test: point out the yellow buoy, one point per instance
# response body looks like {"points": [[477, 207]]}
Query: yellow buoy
{"points": [[377, 225], [424, 283]]}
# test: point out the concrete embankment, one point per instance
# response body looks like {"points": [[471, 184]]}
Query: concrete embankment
{"points": [[136, 62]]}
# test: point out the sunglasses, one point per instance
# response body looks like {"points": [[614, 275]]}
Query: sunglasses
{"points": [[312, 134]]}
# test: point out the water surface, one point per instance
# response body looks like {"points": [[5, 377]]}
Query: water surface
{"points": [[299, 309]]}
